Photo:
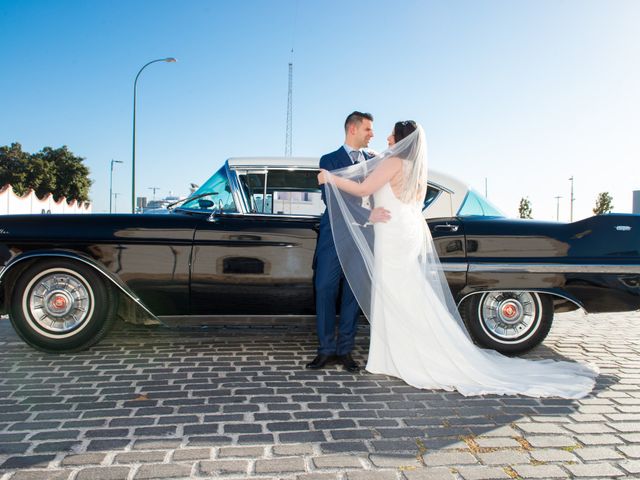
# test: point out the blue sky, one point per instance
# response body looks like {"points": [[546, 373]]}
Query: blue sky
{"points": [[522, 93]]}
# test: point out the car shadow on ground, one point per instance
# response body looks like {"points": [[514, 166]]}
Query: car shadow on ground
{"points": [[159, 389]]}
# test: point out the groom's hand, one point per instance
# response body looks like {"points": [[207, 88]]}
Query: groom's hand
{"points": [[379, 214]]}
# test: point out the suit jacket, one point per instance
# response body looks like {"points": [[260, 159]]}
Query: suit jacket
{"points": [[334, 161]]}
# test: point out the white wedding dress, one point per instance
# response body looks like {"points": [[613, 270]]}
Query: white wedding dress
{"points": [[416, 331], [414, 336]]}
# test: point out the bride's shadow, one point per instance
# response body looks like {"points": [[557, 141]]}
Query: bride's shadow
{"points": [[451, 421]]}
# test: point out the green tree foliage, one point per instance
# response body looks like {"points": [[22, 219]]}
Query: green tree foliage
{"points": [[524, 210], [57, 171], [603, 204], [13, 165]]}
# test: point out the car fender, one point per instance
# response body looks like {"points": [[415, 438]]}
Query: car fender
{"points": [[114, 279], [549, 291]]}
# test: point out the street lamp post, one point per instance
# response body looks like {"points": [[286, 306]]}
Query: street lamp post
{"points": [[133, 155], [557, 207], [111, 182], [571, 199], [115, 199]]}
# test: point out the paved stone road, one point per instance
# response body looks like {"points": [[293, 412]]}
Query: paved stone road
{"points": [[237, 403]]}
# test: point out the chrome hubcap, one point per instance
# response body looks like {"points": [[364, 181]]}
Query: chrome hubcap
{"points": [[58, 302], [509, 315]]}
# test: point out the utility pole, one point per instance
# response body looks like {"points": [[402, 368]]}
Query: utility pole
{"points": [[154, 191], [571, 199], [111, 182], [288, 136], [557, 207], [115, 199]]}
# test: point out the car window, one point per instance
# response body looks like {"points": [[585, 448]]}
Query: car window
{"points": [[475, 204], [216, 194], [430, 196], [282, 191]]}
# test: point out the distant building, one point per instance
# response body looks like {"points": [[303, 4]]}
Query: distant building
{"points": [[141, 202], [14, 204], [636, 202], [154, 206]]}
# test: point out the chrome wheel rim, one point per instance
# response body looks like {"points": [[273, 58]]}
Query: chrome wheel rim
{"points": [[58, 302], [510, 316]]}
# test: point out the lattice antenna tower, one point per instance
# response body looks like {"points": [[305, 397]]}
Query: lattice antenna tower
{"points": [[288, 136]]}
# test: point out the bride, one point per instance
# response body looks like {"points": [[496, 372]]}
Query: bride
{"points": [[416, 332]]}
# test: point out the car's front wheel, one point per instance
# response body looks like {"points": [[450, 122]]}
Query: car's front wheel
{"points": [[61, 305], [509, 322]]}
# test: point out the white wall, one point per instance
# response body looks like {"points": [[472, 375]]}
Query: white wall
{"points": [[12, 204]]}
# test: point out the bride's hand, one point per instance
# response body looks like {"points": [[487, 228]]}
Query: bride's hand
{"points": [[322, 177]]}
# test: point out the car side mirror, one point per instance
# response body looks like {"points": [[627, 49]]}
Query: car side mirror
{"points": [[217, 210], [218, 207], [205, 204]]}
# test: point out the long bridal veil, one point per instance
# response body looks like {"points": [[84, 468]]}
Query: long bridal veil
{"points": [[396, 276], [355, 238]]}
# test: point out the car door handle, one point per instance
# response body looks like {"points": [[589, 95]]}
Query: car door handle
{"points": [[446, 228]]}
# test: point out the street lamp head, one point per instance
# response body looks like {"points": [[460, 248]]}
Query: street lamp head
{"points": [[118, 161], [170, 60]]}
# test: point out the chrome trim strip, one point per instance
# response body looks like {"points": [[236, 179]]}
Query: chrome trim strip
{"points": [[80, 259], [191, 320], [440, 187], [454, 267], [272, 167], [552, 268], [267, 215]]}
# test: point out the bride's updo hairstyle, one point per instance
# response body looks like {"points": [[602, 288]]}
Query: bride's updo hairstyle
{"points": [[404, 129], [413, 154]]}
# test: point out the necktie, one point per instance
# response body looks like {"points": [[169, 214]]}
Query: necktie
{"points": [[355, 156]]}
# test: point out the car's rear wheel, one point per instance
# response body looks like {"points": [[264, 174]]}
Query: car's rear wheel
{"points": [[61, 305], [509, 322]]}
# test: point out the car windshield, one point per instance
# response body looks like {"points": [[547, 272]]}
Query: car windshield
{"points": [[475, 205], [215, 193]]}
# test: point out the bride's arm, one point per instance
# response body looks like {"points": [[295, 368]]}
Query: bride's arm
{"points": [[381, 175]]}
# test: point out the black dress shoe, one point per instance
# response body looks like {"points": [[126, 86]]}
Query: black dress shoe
{"points": [[349, 364], [321, 361]]}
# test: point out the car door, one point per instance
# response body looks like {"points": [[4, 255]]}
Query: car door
{"points": [[449, 239], [253, 265], [259, 262]]}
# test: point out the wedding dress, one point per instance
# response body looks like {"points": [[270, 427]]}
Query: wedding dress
{"points": [[416, 331]]}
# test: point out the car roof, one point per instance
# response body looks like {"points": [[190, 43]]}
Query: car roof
{"points": [[436, 177]]}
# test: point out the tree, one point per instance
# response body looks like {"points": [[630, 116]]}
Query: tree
{"points": [[525, 208], [603, 204], [72, 176], [57, 171], [13, 163], [41, 176]]}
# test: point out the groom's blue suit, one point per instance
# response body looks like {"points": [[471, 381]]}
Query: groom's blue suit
{"points": [[329, 279]]}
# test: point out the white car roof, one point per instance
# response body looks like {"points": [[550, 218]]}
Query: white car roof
{"points": [[436, 177], [445, 205]]}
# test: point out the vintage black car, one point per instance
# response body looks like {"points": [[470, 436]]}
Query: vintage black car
{"points": [[242, 247]]}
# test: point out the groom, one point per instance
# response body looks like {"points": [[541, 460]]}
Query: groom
{"points": [[329, 279]]}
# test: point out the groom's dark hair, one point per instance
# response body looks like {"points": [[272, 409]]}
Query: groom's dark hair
{"points": [[356, 118]]}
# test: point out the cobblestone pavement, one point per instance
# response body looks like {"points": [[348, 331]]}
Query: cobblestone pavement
{"points": [[237, 403]]}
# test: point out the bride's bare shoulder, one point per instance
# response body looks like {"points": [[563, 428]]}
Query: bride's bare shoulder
{"points": [[393, 162]]}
